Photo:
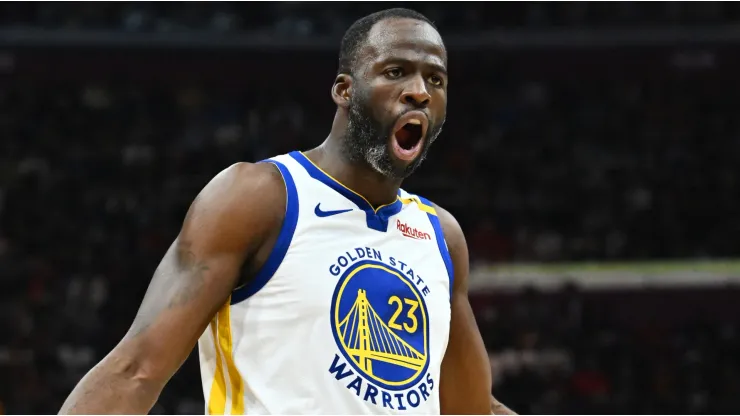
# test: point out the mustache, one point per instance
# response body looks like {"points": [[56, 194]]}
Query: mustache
{"points": [[362, 115], [426, 114]]}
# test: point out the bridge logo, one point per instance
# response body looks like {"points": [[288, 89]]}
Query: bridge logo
{"points": [[380, 324]]}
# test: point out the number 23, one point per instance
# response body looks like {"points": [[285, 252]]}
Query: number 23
{"points": [[410, 314]]}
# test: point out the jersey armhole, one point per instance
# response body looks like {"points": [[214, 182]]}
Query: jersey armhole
{"points": [[441, 242], [281, 244]]}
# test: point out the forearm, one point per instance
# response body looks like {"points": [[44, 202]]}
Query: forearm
{"points": [[497, 408], [113, 387]]}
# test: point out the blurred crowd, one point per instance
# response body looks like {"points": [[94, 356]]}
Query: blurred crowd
{"points": [[533, 171], [95, 179], [571, 353], [300, 18]]}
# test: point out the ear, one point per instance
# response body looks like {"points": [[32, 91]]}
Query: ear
{"points": [[341, 91]]}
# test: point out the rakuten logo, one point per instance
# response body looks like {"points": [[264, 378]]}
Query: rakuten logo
{"points": [[412, 232]]}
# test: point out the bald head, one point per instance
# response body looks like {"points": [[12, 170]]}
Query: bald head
{"points": [[403, 39], [362, 30]]}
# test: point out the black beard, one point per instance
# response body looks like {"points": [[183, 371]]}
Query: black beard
{"points": [[367, 139]]}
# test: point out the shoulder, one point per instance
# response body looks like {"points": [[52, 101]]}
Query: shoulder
{"points": [[456, 245], [241, 204], [454, 235], [242, 178], [242, 187]]}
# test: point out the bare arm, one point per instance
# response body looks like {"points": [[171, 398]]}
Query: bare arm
{"points": [[226, 225], [466, 380]]}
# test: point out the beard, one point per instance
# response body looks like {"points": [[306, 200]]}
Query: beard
{"points": [[368, 140]]}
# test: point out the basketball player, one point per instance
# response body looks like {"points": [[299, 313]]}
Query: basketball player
{"points": [[312, 283]]}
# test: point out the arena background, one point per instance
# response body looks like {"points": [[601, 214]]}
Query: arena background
{"points": [[590, 154]]}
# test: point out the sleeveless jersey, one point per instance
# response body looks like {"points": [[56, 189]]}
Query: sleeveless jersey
{"points": [[349, 315]]}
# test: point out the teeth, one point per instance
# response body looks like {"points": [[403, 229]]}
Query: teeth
{"points": [[415, 121]]}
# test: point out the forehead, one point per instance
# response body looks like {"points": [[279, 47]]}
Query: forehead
{"points": [[404, 38]]}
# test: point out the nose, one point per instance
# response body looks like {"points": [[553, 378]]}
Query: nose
{"points": [[415, 93]]}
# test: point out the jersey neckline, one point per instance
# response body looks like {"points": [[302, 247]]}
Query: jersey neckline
{"points": [[377, 218]]}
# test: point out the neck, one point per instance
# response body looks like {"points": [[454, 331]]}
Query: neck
{"points": [[378, 189]]}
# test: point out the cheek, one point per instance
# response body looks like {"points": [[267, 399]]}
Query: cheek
{"points": [[439, 100], [439, 110], [384, 114], [382, 99]]}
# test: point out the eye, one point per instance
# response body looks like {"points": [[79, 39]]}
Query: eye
{"points": [[436, 80], [394, 73]]}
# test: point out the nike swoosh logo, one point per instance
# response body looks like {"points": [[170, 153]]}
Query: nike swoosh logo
{"points": [[320, 213]]}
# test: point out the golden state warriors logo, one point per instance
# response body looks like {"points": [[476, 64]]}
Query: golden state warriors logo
{"points": [[380, 324]]}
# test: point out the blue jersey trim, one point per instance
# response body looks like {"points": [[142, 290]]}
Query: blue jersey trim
{"points": [[377, 219], [441, 243], [281, 245]]}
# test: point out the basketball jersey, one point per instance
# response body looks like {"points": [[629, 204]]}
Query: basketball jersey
{"points": [[349, 315]]}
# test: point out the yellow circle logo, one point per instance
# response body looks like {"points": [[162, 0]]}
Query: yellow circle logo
{"points": [[379, 321]]}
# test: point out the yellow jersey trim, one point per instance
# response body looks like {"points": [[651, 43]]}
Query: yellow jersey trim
{"points": [[217, 399], [422, 206], [346, 187], [221, 329]]}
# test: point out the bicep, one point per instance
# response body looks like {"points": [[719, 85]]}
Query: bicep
{"points": [[187, 289], [466, 371], [201, 268], [466, 382]]}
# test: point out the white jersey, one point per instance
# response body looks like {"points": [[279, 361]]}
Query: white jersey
{"points": [[349, 315]]}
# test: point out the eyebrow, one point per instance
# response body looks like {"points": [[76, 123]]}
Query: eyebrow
{"points": [[404, 61]]}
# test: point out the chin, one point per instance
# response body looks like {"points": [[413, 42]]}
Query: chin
{"points": [[383, 160], [402, 169]]}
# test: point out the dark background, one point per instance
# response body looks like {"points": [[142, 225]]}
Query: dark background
{"points": [[576, 132]]}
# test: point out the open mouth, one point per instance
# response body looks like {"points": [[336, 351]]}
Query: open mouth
{"points": [[409, 135]]}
